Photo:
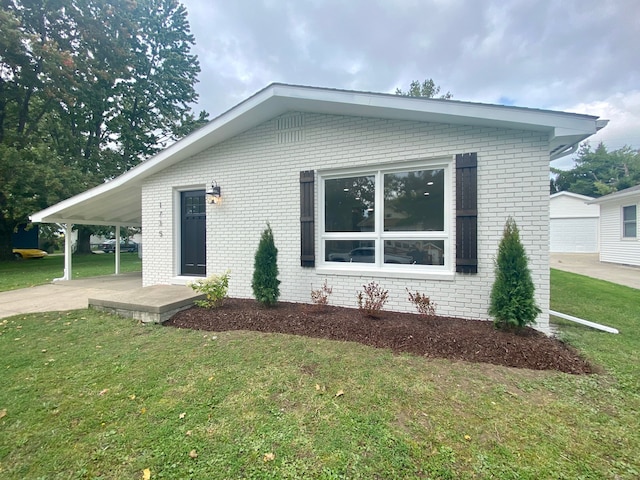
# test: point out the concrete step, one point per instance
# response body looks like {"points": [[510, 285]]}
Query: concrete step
{"points": [[155, 304]]}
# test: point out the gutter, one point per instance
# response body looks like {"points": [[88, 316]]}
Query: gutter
{"points": [[584, 322]]}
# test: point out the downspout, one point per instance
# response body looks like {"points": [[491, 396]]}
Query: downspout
{"points": [[584, 322], [67, 253]]}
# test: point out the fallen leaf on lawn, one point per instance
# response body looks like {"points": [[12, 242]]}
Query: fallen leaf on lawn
{"points": [[269, 457], [467, 438], [182, 415], [146, 474], [340, 393], [317, 387], [210, 378], [188, 433], [3, 412], [143, 410], [103, 391], [44, 350], [132, 397], [193, 454]]}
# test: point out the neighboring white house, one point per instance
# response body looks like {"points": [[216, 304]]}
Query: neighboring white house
{"points": [[574, 223], [619, 232], [357, 187]]}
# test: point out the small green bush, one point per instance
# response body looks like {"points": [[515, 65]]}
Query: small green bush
{"points": [[512, 296], [423, 304], [215, 287], [372, 299], [265, 283]]}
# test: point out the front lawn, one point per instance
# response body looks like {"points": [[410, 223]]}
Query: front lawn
{"points": [[27, 273], [88, 395]]}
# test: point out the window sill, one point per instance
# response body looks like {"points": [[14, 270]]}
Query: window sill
{"points": [[386, 273]]}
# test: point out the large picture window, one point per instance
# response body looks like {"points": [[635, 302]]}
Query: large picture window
{"points": [[629, 222], [387, 218]]}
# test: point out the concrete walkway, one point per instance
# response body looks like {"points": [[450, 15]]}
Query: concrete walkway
{"points": [[589, 264], [65, 295]]}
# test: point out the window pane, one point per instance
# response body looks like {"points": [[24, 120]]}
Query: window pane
{"points": [[349, 203], [350, 251], [418, 252], [630, 230], [414, 201], [629, 213], [629, 221]]}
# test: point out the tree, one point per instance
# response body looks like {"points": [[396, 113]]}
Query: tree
{"points": [[512, 295], [265, 282], [599, 172], [88, 89], [427, 89]]}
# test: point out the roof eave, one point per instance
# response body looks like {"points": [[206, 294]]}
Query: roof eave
{"points": [[565, 130]]}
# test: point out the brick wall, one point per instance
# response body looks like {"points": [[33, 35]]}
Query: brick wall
{"points": [[259, 175]]}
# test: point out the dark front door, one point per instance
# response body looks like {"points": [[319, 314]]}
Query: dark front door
{"points": [[194, 258]]}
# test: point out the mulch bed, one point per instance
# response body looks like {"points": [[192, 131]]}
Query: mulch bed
{"points": [[442, 337]]}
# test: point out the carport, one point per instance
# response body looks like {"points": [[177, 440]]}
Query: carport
{"points": [[115, 203]]}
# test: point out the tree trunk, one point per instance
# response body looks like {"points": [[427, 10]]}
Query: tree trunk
{"points": [[83, 245], [6, 247]]}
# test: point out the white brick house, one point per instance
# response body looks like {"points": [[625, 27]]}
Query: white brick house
{"points": [[409, 192]]}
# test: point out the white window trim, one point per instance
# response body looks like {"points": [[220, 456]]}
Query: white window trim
{"points": [[379, 268], [622, 224]]}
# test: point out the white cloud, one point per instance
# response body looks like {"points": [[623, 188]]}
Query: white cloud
{"points": [[574, 55]]}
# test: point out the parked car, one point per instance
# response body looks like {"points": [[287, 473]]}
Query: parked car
{"points": [[20, 253], [367, 255], [110, 246]]}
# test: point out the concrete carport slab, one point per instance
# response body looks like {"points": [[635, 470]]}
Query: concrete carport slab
{"points": [[122, 294]]}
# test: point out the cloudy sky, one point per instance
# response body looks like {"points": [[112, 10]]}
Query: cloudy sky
{"points": [[573, 55]]}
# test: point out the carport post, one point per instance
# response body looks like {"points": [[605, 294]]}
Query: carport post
{"points": [[117, 250], [67, 253]]}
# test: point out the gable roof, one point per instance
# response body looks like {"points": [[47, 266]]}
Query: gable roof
{"points": [[577, 196], [627, 192], [118, 202]]}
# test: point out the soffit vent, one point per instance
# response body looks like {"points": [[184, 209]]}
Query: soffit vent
{"points": [[290, 129]]}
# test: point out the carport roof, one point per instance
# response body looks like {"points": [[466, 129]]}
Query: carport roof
{"points": [[118, 202]]}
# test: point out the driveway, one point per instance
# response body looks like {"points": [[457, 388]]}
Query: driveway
{"points": [[65, 295], [589, 264]]}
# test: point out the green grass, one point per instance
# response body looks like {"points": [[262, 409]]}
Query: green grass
{"points": [[88, 395], [27, 273]]}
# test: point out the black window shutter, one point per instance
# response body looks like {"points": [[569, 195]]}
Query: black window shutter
{"points": [[467, 213], [307, 220]]}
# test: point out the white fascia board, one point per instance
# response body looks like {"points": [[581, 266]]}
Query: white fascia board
{"points": [[621, 195], [571, 194], [437, 110]]}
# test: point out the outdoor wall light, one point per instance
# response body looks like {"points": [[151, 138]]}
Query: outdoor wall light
{"points": [[213, 193]]}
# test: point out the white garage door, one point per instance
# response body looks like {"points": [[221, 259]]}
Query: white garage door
{"points": [[576, 235]]}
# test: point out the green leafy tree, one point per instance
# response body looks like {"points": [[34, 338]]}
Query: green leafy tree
{"points": [[512, 296], [265, 282], [427, 89], [88, 89], [599, 172]]}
